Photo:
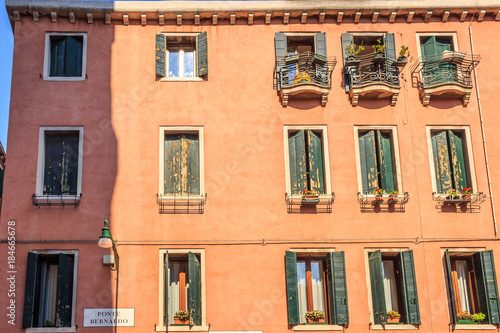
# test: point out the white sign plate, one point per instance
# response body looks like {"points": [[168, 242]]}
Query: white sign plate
{"points": [[108, 317]]}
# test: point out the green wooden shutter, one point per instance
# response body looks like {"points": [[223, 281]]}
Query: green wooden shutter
{"points": [[172, 165], [428, 48], [409, 288], [368, 161], [315, 149], [390, 46], [457, 160], [377, 284], [194, 290], [65, 289], [57, 55], [69, 164], [442, 168], [339, 310], [30, 289], [161, 46], [292, 293], [346, 40], [166, 279], [192, 152], [297, 157], [451, 290], [202, 49], [2, 176], [487, 289], [53, 166], [73, 59], [384, 149], [320, 38]]}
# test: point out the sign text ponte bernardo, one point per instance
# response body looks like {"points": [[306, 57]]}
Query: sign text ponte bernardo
{"points": [[108, 317]]}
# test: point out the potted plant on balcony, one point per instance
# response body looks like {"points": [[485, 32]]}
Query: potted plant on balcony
{"points": [[378, 196], [465, 318], [181, 318], [351, 51], [393, 317], [393, 197], [404, 53], [478, 317], [309, 197], [465, 192], [452, 195], [379, 50], [315, 316], [291, 57]]}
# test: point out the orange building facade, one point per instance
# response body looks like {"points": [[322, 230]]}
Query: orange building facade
{"points": [[264, 167]]}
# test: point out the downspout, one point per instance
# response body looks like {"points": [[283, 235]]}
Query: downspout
{"points": [[483, 136]]}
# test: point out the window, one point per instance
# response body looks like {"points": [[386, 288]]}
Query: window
{"points": [[306, 158], [181, 161], [451, 159], [65, 56], [436, 70], [60, 161], [472, 284], [316, 281], [377, 157], [393, 285], [50, 292], [181, 56], [182, 286]]}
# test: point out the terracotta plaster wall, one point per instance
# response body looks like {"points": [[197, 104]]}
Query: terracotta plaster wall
{"points": [[122, 105]]}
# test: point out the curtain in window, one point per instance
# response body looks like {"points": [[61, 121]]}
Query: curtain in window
{"points": [[390, 293], [302, 290], [50, 295], [318, 286], [462, 284], [174, 290]]}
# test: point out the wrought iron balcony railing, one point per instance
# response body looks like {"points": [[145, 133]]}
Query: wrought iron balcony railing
{"points": [[370, 69]]}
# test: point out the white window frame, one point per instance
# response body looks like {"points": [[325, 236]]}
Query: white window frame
{"points": [[470, 156], [374, 327], [167, 57], [326, 157], [182, 130], [73, 302], [41, 160], [452, 35], [46, 63], [395, 144], [161, 292]]}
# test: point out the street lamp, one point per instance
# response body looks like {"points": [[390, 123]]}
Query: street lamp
{"points": [[106, 242]]}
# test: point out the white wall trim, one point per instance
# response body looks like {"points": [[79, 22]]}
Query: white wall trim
{"points": [[47, 55]]}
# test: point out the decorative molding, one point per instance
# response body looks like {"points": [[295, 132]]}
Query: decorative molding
{"points": [[497, 16], [322, 17], [36, 16], [392, 18], [409, 18], [268, 18], [357, 16], [196, 19], [161, 19], [286, 18], [232, 20], [144, 20], [125, 19], [179, 19], [446, 14], [53, 16], [303, 19], [17, 16], [250, 18], [71, 17], [107, 18], [340, 15], [428, 16], [214, 19], [375, 17], [480, 17], [463, 16], [90, 18]]}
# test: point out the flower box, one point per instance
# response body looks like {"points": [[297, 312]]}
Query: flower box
{"points": [[319, 59], [178, 321], [310, 199], [466, 322], [378, 199], [393, 198], [291, 59], [393, 320], [315, 320]]}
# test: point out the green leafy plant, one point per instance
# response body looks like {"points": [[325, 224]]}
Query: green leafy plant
{"points": [[308, 192], [48, 323], [379, 47], [393, 314], [453, 193], [315, 314], [478, 316], [353, 50], [404, 52], [378, 191], [181, 315], [394, 192], [465, 315], [466, 190]]}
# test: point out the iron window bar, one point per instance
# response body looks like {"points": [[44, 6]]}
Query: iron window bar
{"points": [[56, 200], [371, 69], [322, 204], [305, 68], [389, 201], [475, 200], [181, 203]]}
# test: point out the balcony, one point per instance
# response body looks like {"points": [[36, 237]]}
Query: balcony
{"points": [[372, 77], [304, 76], [446, 75]]}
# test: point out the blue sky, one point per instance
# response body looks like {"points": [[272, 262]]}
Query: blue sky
{"points": [[6, 49]]}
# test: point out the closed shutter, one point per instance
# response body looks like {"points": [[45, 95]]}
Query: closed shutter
{"points": [[390, 46], [385, 161], [409, 288], [166, 279], [69, 164], [321, 43], [457, 160], [73, 59], [346, 40], [315, 162], [377, 285], [161, 45], [191, 148], [451, 290], [442, 168], [32, 269], [339, 310], [65, 290], [57, 55], [487, 289], [297, 157], [53, 166], [202, 49], [182, 164], [368, 162], [194, 290], [291, 287]]}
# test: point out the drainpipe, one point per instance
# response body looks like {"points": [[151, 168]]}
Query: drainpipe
{"points": [[484, 137]]}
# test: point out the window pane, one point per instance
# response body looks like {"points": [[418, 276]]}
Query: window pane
{"points": [[463, 289], [188, 64], [173, 64], [318, 286], [50, 296], [390, 291], [302, 289]]}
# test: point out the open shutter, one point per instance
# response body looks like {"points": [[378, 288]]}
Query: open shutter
{"points": [[161, 45], [192, 163], [346, 40], [457, 160], [385, 161], [377, 284], [390, 46], [280, 49], [64, 290], [297, 157], [409, 288], [69, 164], [52, 172], [315, 162], [321, 43], [29, 289], [487, 289], [172, 165], [2, 175], [74, 49], [441, 159], [368, 161], [451, 290], [166, 278], [339, 312], [291, 287], [194, 290], [202, 49]]}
